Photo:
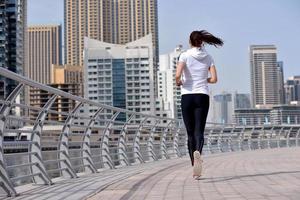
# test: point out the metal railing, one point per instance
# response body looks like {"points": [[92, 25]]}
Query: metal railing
{"points": [[56, 139]]}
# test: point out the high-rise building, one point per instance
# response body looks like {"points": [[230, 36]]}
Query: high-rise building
{"points": [[161, 111], [112, 21], [292, 89], [224, 105], [68, 74], [167, 89], [241, 101], [280, 82], [265, 83], [38, 98], [13, 22], [120, 75], [223, 108], [61, 74], [44, 49], [66, 78]]}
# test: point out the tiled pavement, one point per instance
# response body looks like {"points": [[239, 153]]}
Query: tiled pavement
{"points": [[262, 174]]}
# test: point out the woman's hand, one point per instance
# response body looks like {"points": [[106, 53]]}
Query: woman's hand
{"points": [[178, 82]]}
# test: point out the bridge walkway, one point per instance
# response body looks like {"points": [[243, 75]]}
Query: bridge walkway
{"points": [[261, 174]]}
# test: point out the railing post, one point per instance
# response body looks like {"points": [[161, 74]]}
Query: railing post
{"points": [[250, 138], [136, 145], [241, 138], [7, 185], [150, 143], [219, 142], [63, 145], [278, 137], [297, 137], [209, 140], [122, 143], [163, 147], [175, 140], [230, 139], [86, 145], [185, 139], [260, 135], [105, 155], [35, 146], [269, 136], [288, 137]]}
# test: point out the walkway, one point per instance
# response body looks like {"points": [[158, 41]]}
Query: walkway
{"points": [[261, 174]]}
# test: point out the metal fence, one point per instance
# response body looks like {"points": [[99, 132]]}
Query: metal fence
{"points": [[57, 139]]}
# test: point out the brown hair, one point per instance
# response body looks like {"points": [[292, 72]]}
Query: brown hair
{"points": [[197, 38]]}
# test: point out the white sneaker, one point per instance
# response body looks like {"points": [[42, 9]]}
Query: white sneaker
{"points": [[197, 165]]}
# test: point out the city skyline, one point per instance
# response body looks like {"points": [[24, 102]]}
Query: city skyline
{"points": [[262, 28]]}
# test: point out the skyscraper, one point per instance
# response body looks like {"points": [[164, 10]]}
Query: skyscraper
{"points": [[225, 104], [168, 92], [265, 83], [13, 21], [292, 89], [241, 100], [281, 82], [120, 75], [223, 108], [44, 49], [112, 21]]}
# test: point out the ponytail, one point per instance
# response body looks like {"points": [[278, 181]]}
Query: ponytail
{"points": [[198, 38]]}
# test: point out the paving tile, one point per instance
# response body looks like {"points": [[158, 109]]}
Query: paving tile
{"points": [[261, 174]]}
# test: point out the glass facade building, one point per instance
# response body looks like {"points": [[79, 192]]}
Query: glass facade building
{"points": [[12, 39], [292, 89]]}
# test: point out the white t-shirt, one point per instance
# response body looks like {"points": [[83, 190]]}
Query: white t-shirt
{"points": [[195, 72]]}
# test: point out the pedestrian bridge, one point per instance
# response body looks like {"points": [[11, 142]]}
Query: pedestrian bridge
{"points": [[95, 151]]}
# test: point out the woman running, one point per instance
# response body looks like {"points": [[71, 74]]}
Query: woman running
{"points": [[195, 69]]}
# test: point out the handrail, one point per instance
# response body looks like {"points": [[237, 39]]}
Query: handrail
{"points": [[86, 142], [32, 83]]}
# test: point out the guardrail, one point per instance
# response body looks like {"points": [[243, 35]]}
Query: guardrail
{"points": [[87, 137]]}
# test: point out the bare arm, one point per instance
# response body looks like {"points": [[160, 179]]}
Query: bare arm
{"points": [[213, 75], [179, 70]]}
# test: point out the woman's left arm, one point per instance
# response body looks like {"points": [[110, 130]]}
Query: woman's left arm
{"points": [[179, 70], [213, 75]]}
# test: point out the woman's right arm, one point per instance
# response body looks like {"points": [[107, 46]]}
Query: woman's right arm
{"points": [[179, 70], [213, 74]]}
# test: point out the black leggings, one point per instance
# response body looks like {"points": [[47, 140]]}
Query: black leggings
{"points": [[194, 111]]}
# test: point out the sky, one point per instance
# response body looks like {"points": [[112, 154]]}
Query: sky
{"points": [[239, 23]]}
